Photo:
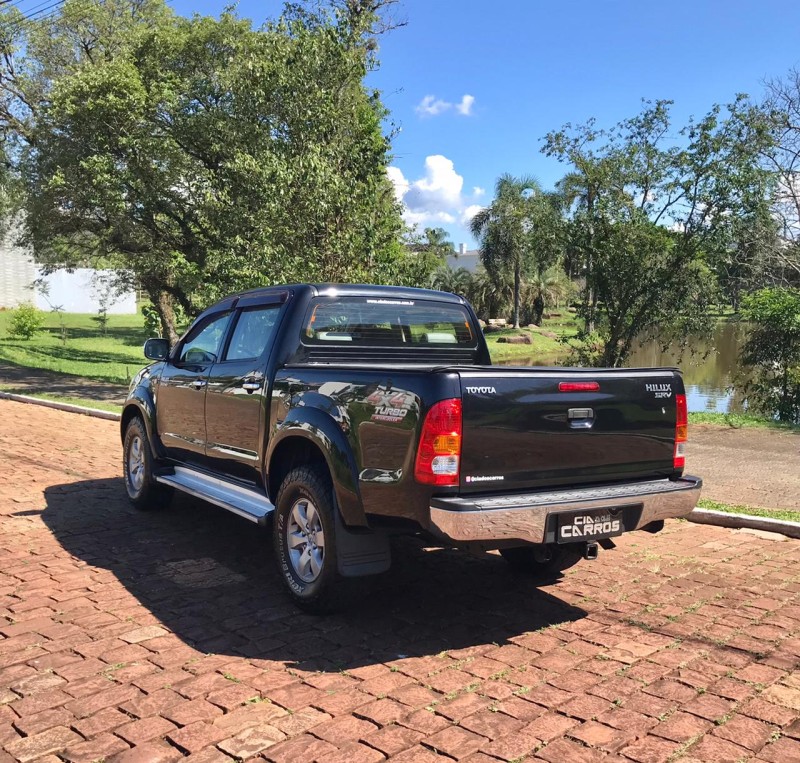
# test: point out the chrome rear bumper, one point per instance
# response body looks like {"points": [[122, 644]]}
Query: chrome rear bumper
{"points": [[524, 517]]}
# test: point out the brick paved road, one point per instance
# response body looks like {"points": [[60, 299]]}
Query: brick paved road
{"points": [[149, 637]]}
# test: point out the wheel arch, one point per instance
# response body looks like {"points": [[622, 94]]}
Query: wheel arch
{"points": [[310, 439]]}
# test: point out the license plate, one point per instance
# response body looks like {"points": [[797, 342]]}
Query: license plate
{"points": [[589, 525]]}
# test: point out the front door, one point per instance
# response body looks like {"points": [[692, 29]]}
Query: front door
{"points": [[180, 410], [236, 401]]}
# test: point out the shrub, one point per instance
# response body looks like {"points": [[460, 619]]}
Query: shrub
{"points": [[26, 321], [773, 351]]}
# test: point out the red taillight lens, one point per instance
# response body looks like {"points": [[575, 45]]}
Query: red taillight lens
{"points": [[681, 431], [439, 453], [591, 386]]}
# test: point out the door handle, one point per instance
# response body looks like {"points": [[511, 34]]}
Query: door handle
{"points": [[199, 383], [251, 385]]}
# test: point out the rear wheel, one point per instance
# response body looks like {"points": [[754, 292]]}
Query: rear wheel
{"points": [[137, 462], [304, 535], [542, 560]]}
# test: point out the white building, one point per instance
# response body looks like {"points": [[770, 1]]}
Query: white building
{"points": [[77, 291], [464, 258]]}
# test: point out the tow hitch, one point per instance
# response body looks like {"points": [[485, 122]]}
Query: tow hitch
{"points": [[590, 551]]}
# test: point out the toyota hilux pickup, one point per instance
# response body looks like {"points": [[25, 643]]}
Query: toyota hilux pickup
{"points": [[341, 415]]}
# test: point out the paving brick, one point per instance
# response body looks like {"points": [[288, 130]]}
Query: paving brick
{"points": [[784, 750], [149, 752], [681, 727], [304, 748], [195, 736], [36, 746], [98, 748], [746, 732], [563, 750], [340, 731], [391, 740], [455, 742], [144, 730], [251, 741], [712, 749]]}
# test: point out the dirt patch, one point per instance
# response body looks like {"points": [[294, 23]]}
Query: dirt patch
{"points": [[754, 467], [22, 380]]}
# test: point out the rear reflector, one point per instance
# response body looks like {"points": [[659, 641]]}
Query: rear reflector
{"points": [[439, 452], [681, 432], [578, 386]]}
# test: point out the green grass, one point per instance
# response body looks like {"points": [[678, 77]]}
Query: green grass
{"points": [[98, 404], [544, 349], [741, 421], [784, 514], [115, 357]]}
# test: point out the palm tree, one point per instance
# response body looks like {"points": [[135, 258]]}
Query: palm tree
{"points": [[456, 281], [437, 240], [502, 229]]}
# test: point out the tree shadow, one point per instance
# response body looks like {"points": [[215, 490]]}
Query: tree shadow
{"points": [[210, 578], [131, 337]]}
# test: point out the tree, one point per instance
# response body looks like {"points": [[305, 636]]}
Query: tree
{"points": [[773, 350], [168, 147], [783, 158], [518, 232], [453, 280], [651, 219]]}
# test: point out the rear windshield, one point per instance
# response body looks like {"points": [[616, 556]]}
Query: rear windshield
{"points": [[368, 322]]}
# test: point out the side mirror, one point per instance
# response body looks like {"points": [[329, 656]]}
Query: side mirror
{"points": [[156, 349]]}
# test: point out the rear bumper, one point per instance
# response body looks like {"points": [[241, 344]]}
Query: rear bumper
{"points": [[525, 517]]}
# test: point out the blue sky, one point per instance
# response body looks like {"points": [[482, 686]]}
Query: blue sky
{"points": [[529, 66]]}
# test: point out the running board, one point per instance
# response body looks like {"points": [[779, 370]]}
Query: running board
{"points": [[229, 496]]}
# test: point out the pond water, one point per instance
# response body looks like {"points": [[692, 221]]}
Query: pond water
{"points": [[709, 367]]}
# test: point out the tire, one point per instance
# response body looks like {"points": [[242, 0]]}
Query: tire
{"points": [[542, 561], [137, 466], [304, 536]]}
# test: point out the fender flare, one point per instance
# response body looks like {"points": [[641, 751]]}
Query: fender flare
{"points": [[321, 429], [141, 403]]}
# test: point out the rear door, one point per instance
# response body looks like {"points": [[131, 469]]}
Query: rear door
{"points": [[238, 386], [180, 410], [529, 428]]}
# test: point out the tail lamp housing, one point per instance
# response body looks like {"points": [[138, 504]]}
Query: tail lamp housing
{"points": [[681, 432], [439, 453]]}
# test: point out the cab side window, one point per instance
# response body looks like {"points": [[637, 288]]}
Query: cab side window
{"points": [[253, 333], [203, 343]]}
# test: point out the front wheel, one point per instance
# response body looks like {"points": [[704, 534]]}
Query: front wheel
{"points": [[542, 561], [304, 535], [137, 462]]}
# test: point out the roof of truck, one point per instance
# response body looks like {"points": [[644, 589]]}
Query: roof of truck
{"points": [[356, 290]]}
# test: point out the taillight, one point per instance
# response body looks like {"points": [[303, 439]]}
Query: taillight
{"points": [[681, 432], [439, 452]]}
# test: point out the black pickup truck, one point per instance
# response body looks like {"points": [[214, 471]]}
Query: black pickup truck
{"points": [[350, 413]]}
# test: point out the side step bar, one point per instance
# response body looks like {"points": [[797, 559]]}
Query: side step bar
{"points": [[234, 498]]}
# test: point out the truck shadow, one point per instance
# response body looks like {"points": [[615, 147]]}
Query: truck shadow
{"points": [[210, 578]]}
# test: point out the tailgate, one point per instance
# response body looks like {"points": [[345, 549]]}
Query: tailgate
{"points": [[522, 430]]}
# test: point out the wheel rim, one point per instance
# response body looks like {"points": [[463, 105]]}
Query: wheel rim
{"points": [[305, 540], [136, 464]]}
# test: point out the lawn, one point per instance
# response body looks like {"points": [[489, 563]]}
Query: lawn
{"points": [[782, 514], [544, 350], [82, 349], [740, 421]]}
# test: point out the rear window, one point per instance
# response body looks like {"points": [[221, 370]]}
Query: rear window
{"points": [[368, 322]]}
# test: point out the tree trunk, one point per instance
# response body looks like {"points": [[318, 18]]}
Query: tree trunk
{"points": [[538, 310], [162, 302], [517, 282]]}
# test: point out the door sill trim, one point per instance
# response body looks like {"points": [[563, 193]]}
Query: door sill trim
{"points": [[241, 501]]}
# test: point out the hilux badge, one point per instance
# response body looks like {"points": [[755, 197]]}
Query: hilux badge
{"points": [[660, 390]]}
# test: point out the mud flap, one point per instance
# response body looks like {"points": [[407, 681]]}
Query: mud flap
{"points": [[361, 553]]}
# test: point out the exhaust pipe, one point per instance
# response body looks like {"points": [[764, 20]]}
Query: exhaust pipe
{"points": [[590, 551]]}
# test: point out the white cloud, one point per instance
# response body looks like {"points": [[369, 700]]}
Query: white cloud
{"points": [[436, 197], [477, 191], [469, 213], [431, 106], [465, 107]]}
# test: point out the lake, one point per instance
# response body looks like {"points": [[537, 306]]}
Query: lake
{"points": [[709, 367]]}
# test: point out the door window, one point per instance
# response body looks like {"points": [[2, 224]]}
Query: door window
{"points": [[203, 343], [253, 333]]}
